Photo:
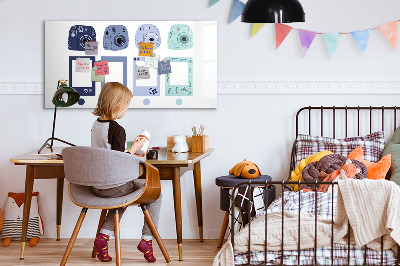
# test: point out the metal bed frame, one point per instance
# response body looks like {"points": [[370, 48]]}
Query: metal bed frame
{"points": [[283, 184]]}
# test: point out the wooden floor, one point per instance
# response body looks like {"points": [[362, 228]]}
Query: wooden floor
{"points": [[50, 252]]}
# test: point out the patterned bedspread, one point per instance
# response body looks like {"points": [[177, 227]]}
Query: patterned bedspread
{"points": [[323, 207]]}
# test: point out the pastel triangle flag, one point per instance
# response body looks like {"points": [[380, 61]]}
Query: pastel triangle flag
{"points": [[332, 41], [361, 37], [281, 31], [213, 2], [237, 9], [306, 39], [389, 30], [256, 28]]}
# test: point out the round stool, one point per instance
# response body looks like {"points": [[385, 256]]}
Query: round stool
{"points": [[228, 182]]}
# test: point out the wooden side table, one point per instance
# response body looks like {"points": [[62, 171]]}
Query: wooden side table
{"points": [[226, 183]]}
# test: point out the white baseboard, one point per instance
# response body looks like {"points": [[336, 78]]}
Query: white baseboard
{"points": [[259, 87]]}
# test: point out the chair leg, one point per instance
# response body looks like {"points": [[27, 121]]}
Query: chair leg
{"points": [[73, 237], [117, 239], [223, 229], [101, 222], [154, 230]]}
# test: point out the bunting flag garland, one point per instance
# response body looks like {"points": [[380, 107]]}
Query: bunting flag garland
{"points": [[361, 37], [256, 27], [389, 30], [281, 31], [237, 8], [306, 39], [213, 2], [332, 41]]}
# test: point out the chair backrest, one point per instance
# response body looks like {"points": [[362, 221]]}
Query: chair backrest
{"points": [[92, 166]]}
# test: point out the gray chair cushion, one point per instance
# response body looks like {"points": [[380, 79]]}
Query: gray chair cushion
{"points": [[83, 195], [99, 167]]}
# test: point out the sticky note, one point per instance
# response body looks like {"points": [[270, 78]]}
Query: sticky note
{"points": [[99, 78], [83, 65], [151, 62], [145, 49], [102, 68], [91, 48], [164, 67], [142, 72]]}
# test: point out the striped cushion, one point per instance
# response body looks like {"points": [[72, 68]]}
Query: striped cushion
{"points": [[13, 228], [372, 145]]}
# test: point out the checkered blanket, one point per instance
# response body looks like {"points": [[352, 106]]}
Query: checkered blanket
{"points": [[324, 206]]}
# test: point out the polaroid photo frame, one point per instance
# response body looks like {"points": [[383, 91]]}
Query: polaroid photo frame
{"points": [[147, 89], [117, 59], [172, 89], [81, 81]]}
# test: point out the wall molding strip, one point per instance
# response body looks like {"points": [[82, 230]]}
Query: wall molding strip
{"points": [[259, 87]]}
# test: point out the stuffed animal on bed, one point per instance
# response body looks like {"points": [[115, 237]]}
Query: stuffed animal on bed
{"points": [[245, 169], [13, 215]]}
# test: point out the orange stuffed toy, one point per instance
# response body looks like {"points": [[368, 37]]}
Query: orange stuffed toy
{"points": [[245, 169], [375, 170]]}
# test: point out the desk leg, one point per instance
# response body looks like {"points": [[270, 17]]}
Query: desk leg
{"points": [[27, 206], [60, 190], [199, 204], [176, 182]]}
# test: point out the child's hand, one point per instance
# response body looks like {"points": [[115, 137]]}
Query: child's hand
{"points": [[137, 144]]}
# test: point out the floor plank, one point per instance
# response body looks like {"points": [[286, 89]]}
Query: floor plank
{"points": [[50, 252]]}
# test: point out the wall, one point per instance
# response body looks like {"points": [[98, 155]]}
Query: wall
{"points": [[257, 127]]}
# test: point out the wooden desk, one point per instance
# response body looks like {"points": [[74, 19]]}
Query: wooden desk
{"points": [[171, 167]]}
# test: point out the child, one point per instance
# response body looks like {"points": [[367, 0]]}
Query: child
{"points": [[112, 104]]}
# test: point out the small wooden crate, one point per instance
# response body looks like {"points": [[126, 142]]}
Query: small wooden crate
{"points": [[200, 143], [171, 143]]}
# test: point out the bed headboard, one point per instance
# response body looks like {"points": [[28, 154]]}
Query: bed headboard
{"points": [[344, 121]]}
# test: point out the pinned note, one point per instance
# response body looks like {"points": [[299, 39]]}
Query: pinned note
{"points": [[151, 62], [99, 78], [83, 65], [164, 67], [101, 68], [145, 49], [91, 48], [142, 72]]}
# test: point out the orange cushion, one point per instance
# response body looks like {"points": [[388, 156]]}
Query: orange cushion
{"points": [[375, 170]]}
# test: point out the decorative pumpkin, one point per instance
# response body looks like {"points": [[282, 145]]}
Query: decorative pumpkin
{"points": [[245, 169]]}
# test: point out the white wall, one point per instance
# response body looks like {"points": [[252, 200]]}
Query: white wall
{"points": [[259, 127]]}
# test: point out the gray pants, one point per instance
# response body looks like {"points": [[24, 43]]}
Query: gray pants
{"points": [[154, 208]]}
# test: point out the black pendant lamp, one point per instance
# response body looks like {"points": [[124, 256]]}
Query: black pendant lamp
{"points": [[273, 11]]}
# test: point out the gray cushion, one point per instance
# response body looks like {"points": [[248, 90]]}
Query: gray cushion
{"points": [[83, 195], [99, 167], [393, 148]]}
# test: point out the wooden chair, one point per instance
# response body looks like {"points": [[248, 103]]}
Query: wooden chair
{"points": [[85, 167]]}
